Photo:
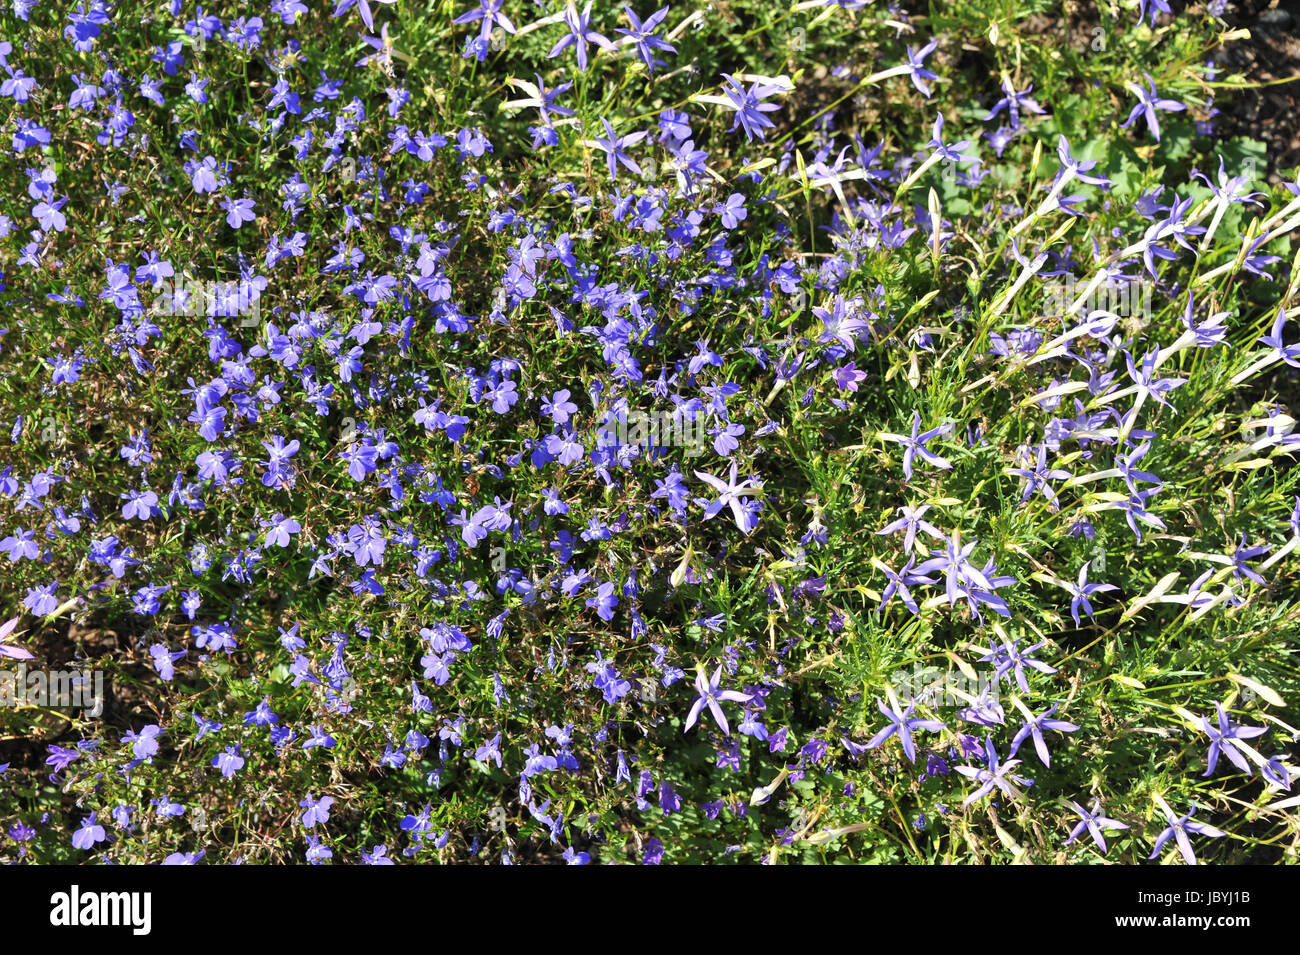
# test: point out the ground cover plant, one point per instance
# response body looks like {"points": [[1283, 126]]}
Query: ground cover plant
{"points": [[732, 432]]}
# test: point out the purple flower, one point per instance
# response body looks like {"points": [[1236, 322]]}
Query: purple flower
{"points": [[1224, 737], [732, 494], [228, 761], [537, 761], [205, 727], [1148, 103], [916, 67], [1082, 590], [316, 851], [614, 145], [378, 855], [204, 175], [848, 377], [489, 11], [949, 152], [140, 504], [14, 653], [319, 738], [1009, 658], [49, 216], [1287, 353], [184, 858], [1179, 829], [559, 407], [605, 601], [607, 679], [1034, 726], [1072, 168], [669, 800], [580, 33], [1094, 822], [368, 18], [490, 751], [1172, 226], [654, 852], [749, 105], [1036, 477], [263, 715], [503, 396], [910, 523], [279, 530], [144, 744], [643, 37], [1154, 8], [732, 211], [316, 810], [20, 546], [902, 724], [899, 583], [41, 601], [60, 758], [1275, 772], [1014, 102], [916, 445], [709, 695], [1240, 569], [239, 211], [89, 834], [992, 774], [1228, 190]]}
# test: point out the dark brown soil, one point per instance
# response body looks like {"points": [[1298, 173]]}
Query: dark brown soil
{"points": [[68, 645], [1270, 115]]}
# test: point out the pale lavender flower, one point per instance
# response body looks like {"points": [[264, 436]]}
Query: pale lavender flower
{"points": [[1223, 738], [709, 695], [580, 33], [916, 70], [902, 724], [1148, 103], [750, 106], [1082, 590], [1179, 829], [916, 445], [992, 774], [1094, 822], [1034, 727], [732, 494], [14, 653], [910, 523]]}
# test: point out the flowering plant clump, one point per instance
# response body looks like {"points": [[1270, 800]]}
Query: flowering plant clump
{"points": [[968, 351]]}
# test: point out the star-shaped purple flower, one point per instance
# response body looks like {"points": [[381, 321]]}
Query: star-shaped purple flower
{"points": [[710, 695]]}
